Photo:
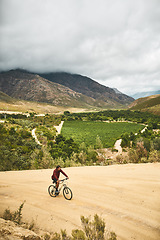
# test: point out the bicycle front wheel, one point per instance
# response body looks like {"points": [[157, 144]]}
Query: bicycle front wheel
{"points": [[51, 190], [67, 193]]}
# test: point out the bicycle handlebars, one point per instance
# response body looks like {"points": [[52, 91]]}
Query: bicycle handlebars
{"points": [[63, 179]]}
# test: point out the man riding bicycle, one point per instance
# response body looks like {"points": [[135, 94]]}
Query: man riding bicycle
{"points": [[55, 176]]}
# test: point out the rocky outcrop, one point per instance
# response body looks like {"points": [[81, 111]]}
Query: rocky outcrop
{"points": [[11, 231]]}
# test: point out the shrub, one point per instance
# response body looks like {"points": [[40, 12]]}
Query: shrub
{"points": [[78, 235], [98, 144], [125, 140], [14, 216], [119, 158], [56, 236], [112, 236], [154, 156], [64, 235], [93, 229], [91, 154], [141, 151], [156, 143], [133, 156], [82, 157]]}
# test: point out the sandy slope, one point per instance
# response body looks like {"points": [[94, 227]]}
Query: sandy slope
{"points": [[126, 196]]}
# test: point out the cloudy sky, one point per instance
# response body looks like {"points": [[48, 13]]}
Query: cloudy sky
{"points": [[115, 42]]}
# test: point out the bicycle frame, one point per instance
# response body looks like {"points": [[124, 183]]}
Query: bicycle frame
{"points": [[62, 184]]}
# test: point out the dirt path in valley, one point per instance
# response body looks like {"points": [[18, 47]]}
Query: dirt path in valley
{"points": [[35, 136], [59, 127], [117, 145], [127, 197]]}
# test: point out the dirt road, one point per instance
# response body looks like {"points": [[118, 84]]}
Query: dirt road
{"points": [[127, 197], [35, 137], [59, 127], [117, 145]]}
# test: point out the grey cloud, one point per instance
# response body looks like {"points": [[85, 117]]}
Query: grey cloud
{"points": [[114, 42]]}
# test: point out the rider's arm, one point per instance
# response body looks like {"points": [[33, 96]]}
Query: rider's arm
{"points": [[64, 173]]}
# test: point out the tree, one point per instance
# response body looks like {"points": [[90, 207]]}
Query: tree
{"points": [[125, 140], [99, 144], [91, 154], [59, 139]]}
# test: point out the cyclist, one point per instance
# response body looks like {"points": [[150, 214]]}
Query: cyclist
{"points": [[55, 176]]}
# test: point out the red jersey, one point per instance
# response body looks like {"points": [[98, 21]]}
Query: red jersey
{"points": [[56, 174]]}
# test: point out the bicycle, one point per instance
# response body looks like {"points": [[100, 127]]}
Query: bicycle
{"points": [[67, 193]]}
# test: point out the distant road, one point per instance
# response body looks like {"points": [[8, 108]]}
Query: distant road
{"points": [[59, 127], [117, 145], [35, 137]]}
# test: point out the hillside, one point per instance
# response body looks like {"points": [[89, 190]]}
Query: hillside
{"points": [[82, 92], [5, 98], [151, 104], [89, 87], [27, 86]]}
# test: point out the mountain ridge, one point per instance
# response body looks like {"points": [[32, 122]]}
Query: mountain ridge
{"points": [[85, 92], [145, 94], [150, 103], [88, 86]]}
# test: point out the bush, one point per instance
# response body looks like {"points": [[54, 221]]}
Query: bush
{"points": [[133, 156], [156, 143], [14, 216], [125, 140], [98, 144], [63, 147], [93, 229], [119, 158], [78, 235], [154, 156], [112, 236], [141, 150]]}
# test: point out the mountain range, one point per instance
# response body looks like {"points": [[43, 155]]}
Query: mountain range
{"points": [[61, 89], [145, 94]]}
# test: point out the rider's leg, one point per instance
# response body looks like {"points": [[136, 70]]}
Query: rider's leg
{"points": [[57, 184]]}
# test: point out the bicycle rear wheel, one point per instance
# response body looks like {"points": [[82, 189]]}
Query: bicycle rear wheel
{"points": [[67, 193], [51, 191]]}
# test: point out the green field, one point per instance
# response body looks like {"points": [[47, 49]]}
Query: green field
{"points": [[87, 131]]}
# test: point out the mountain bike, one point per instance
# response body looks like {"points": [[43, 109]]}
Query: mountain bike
{"points": [[67, 193]]}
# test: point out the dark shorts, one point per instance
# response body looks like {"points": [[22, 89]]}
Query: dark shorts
{"points": [[55, 180]]}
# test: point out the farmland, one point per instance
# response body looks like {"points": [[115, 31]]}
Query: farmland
{"points": [[87, 131]]}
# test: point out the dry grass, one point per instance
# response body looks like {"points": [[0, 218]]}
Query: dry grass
{"points": [[26, 106]]}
